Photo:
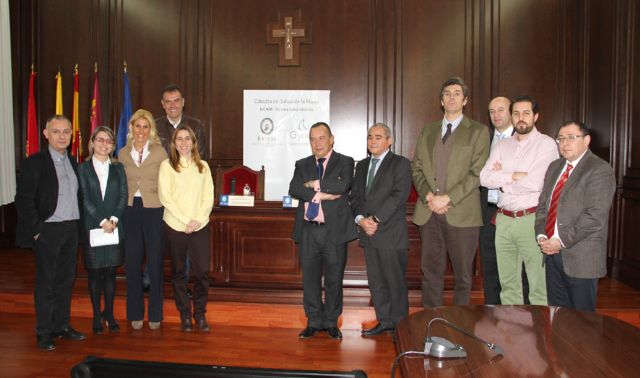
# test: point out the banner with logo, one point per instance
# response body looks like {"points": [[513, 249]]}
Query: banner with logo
{"points": [[276, 133]]}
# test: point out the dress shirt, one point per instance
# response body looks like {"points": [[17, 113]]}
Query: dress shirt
{"points": [[135, 155], [185, 195], [533, 156], [102, 171], [494, 194], [375, 171], [454, 124], [316, 198], [67, 207], [175, 124]]}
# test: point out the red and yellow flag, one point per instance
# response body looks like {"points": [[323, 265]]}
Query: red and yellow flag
{"points": [[59, 93], [76, 136], [33, 138], [96, 113]]}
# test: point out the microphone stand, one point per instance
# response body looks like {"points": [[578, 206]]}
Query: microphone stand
{"points": [[443, 348]]}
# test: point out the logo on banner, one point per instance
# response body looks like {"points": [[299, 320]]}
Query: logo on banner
{"points": [[266, 126]]}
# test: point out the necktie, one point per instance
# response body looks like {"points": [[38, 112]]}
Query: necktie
{"points": [[553, 205], [140, 157], [372, 172], [447, 134], [314, 208]]}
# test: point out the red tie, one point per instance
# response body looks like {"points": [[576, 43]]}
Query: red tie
{"points": [[555, 198]]}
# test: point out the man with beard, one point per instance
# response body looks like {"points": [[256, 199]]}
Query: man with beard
{"points": [[516, 167]]}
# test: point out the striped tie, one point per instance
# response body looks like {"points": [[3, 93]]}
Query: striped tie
{"points": [[555, 198]]}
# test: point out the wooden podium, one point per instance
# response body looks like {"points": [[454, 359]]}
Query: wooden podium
{"points": [[538, 341]]}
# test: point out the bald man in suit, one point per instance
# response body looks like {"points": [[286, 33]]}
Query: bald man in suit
{"points": [[378, 199], [572, 220]]}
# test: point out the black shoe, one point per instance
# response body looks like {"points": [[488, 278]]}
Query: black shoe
{"points": [[186, 325], [202, 325], [308, 332], [97, 325], [45, 342], [189, 293], [377, 330], [70, 334], [334, 333], [146, 286], [113, 326]]}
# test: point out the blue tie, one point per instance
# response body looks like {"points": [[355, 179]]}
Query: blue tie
{"points": [[314, 208]]}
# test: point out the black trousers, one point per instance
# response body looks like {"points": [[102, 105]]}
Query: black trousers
{"points": [[386, 270], [144, 231], [565, 291], [193, 249], [319, 257], [490, 279], [56, 251]]}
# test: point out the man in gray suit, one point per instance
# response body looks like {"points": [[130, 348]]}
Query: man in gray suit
{"points": [[378, 199], [572, 220], [323, 227]]}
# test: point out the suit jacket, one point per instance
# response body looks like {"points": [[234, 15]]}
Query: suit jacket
{"points": [[336, 180], [470, 152], [583, 214], [386, 199], [37, 195], [166, 129], [96, 209]]}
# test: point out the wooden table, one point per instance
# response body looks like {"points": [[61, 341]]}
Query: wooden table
{"points": [[537, 341]]}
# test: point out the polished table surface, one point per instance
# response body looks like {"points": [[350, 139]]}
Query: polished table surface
{"points": [[538, 341]]}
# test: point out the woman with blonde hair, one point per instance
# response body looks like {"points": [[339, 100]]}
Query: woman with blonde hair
{"points": [[186, 191], [104, 197], [141, 158]]}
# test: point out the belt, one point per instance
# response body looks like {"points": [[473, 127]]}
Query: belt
{"points": [[519, 213], [315, 223]]}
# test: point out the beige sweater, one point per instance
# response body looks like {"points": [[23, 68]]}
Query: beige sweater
{"points": [[144, 177]]}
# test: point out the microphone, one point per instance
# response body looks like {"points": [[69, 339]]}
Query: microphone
{"points": [[233, 185], [442, 348]]}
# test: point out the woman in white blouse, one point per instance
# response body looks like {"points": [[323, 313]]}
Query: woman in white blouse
{"points": [[104, 191]]}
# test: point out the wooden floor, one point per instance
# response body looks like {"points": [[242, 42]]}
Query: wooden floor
{"points": [[243, 334]]}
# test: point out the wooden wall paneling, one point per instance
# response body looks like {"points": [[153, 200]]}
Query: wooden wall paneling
{"points": [[532, 53], [433, 48], [147, 36], [626, 108], [337, 59]]}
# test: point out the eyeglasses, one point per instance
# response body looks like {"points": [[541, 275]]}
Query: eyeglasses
{"points": [[568, 138], [102, 140]]}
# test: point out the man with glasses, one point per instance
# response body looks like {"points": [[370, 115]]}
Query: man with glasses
{"points": [[572, 220], [516, 167]]}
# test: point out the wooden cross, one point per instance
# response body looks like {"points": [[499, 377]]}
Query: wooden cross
{"points": [[289, 32]]}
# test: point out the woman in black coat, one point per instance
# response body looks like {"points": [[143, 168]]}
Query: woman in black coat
{"points": [[104, 188]]}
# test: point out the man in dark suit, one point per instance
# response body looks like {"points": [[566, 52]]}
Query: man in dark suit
{"points": [[572, 220], [500, 118], [378, 198], [48, 213], [448, 158], [173, 105], [322, 228]]}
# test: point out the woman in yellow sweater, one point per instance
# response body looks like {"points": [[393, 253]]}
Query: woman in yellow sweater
{"points": [[185, 187]]}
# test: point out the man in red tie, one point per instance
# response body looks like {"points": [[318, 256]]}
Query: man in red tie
{"points": [[572, 220]]}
